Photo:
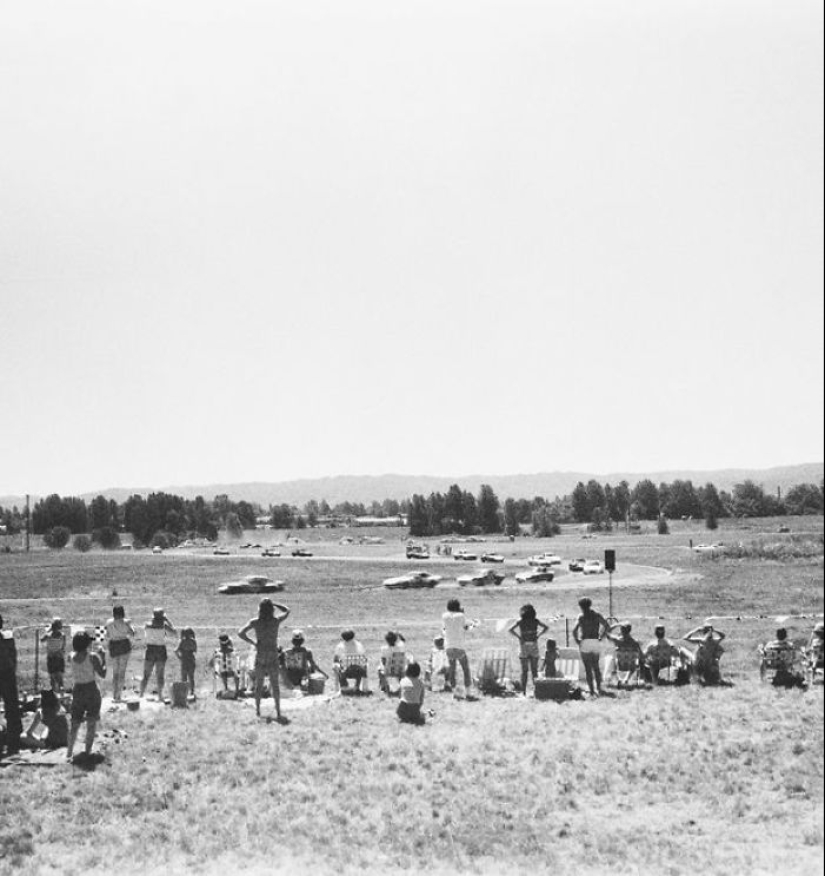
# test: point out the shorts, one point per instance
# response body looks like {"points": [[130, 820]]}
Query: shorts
{"points": [[267, 663], [55, 663], [354, 671], [85, 702], [155, 654], [529, 651]]}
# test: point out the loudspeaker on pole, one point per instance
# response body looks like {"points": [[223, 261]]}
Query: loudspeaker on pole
{"points": [[610, 560]]}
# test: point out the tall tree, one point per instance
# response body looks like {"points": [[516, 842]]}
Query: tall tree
{"points": [[488, 509], [511, 517]]}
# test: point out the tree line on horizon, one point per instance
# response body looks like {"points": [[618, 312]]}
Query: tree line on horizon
{"points": [[164, 519]]}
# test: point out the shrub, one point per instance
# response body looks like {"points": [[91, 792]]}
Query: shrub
{"points": [[661, 527], [82, 542], [107, 538], [57, 537], [710, 520], [164, 540]]}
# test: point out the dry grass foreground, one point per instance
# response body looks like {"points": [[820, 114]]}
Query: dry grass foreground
{"points": [[727, 781]]}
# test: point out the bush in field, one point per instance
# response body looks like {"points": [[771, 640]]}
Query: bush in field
{"points": [[57, 537], [234, 529], [164, 540], [107, 538], [710, 520], [82, 542], [661, 526]]}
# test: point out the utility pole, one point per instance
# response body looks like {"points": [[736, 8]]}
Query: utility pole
{"points": [[28, 522]]}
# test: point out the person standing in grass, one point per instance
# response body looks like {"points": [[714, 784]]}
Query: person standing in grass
{"points": [[55, 641], [590, 628], [411, 689], [119, 633], [455, 626], [155, 635], [267, 665], [8, 689], [527, 629], [85, 693], [185, 652]]}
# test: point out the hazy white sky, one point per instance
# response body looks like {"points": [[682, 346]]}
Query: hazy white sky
{"points": [[265, 240]]}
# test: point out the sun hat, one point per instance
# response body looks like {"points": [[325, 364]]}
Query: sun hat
{"points": [[297, 635]]}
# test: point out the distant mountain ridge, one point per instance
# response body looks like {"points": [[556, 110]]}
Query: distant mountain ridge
{"points": [[369, 488]]}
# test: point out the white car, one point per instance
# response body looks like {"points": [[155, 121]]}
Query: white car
{"points": [[492, 558], [708, 548], [593, 567], [545, 559], [465, 555], [412, 581], [536, 575]]}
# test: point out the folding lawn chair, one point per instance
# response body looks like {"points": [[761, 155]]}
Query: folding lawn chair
{"points": [[348, 666], [493, 671], [569, 664], [777, 664], [391, 672]]}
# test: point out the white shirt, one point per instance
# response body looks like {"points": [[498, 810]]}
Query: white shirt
{"points": [[346, 649], [455, 627]]}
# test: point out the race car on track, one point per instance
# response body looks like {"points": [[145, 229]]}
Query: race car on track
{"points": [[492, 558], [251, 584], [545, 559], [412, 581], [536, 575], [465, 555], [481, 578]]}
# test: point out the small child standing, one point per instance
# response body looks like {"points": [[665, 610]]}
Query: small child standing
{"points": [[186, 650], [411, 689], [438, 667], [551, 655], [55, 641], [223, 662]]}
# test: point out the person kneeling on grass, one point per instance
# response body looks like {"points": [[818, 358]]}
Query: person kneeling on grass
{"points": [[85, 693], [411, 689]]}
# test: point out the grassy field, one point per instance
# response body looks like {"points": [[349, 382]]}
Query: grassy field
{"points": [[667, 781]]}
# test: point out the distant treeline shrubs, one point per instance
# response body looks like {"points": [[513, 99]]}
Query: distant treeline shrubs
{"points": [[164, 519]]}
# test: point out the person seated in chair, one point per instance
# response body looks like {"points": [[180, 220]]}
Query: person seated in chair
{"points": [[438, 667], [223, 663], [629, 655], [781, 653], [393, 651], [298, 663], [348, 663], [660, 653], [708, 654]]}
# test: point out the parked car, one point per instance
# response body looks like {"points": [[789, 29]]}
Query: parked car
{"points": [[576, 565], [492, 558], [593, 567], [481, 578], [465, 555], [412, 581], [270, 552], [535, 575], [221, 552], [251, 584], [545, 559], [708, 548], [301, 552], [418, 552]]}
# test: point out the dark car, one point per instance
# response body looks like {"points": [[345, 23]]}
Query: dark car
{"points": [[481, 578], [301, 552], [251, 584]]}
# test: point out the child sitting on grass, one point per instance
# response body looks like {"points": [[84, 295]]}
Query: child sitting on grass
{"points": [[411, 689], [52, 717], [185, 652]]}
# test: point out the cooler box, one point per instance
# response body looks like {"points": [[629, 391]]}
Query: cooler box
{"points": [[556, 689], [180, 690]]}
